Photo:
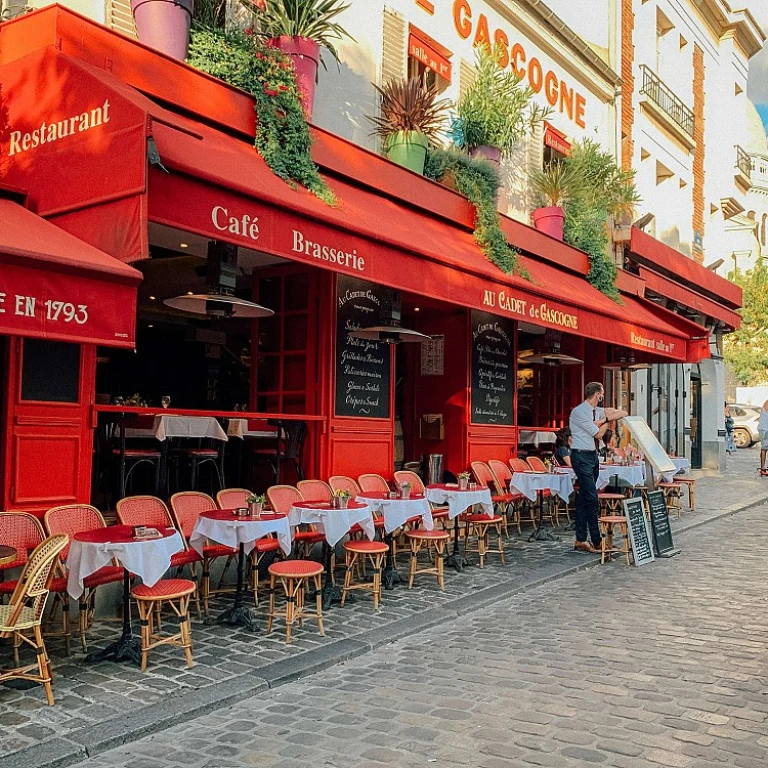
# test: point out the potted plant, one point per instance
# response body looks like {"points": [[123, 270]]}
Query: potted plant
{"points": [[298, 28], [256, 503], [405, 490], [164, 24], [495, 112], [463, 478], [341, 498], [410, 115], [553, 187]]}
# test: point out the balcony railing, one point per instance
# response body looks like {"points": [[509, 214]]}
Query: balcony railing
{"points": [[666, 100], [743, 163]]}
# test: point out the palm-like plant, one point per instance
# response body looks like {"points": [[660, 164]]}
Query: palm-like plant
{"points": [[555, 185], [409, 105], [311, 19]]}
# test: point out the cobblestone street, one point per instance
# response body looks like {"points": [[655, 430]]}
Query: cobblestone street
{"points": [[664, 665], [533, 643]]}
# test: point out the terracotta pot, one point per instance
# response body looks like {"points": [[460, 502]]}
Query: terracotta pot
{"points": [[305, 56], [409, 149], [491, 154], [550, 220], [164, 24]]}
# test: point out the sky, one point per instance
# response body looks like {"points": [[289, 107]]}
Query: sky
{"points": [[757, 88]]}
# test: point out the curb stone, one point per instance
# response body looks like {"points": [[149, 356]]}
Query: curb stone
{"points": [[125, 728]]}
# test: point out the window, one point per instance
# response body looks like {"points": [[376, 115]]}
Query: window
{"points": [[50, 371]]}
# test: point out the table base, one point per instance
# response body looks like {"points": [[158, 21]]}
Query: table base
{"points": [[390, 576], [542, 534], [127, 648], [237, 616], [456, 559]]}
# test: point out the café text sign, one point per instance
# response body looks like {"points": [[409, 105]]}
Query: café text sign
{"points": [[529, 310]]}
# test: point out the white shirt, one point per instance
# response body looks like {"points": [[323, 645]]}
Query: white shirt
{"points": [[582, 424], [762, 422]]}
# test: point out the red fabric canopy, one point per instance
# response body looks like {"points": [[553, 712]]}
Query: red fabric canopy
{"points": [[54, 286]]}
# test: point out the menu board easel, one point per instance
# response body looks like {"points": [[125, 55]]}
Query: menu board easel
{"points": [[662, 533], [493, 381], [639, 533]]}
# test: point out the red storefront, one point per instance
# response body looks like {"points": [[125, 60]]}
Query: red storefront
{"points": [[152, 159]]}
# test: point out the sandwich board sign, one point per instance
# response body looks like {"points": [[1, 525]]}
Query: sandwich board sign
{"points": [[639, 533], [662, 533]]}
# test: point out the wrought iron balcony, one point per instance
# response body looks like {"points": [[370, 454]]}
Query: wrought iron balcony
{"points": [[743, 162], [666, 100]]}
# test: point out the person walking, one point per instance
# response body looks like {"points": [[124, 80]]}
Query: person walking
{"points": [[588, 423], [762, 428], [729, 444]]}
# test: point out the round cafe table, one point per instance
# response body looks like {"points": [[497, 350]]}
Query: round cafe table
{"points": [[532, 484], [7, 554], [459, 501], [396, 513], [633, 475], [334, 524], [239, 532], [148, 558]]}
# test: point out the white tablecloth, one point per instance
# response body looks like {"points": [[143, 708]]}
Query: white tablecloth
{"points": [[634, 475], [529, 436], [149, 559], [233, 531], [205, 427], [239, 428], [528, 483], [681, 465], [459, 501], [397, 511], [334, 524]]}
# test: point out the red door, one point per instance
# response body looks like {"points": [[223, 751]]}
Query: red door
{"points": [[47, 445]]}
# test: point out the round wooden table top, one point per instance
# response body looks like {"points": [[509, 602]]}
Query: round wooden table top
{"points": [[7, 554]]}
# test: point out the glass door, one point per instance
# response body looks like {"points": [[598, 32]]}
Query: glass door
{"points": [[695, 422]]}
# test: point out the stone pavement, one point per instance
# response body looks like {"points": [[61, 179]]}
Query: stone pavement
{"points": [[100, 706]]}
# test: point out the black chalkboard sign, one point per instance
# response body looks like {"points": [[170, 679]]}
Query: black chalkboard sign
{"points": [[662, 533], [362, 366], [639, 534], [493, 381]]}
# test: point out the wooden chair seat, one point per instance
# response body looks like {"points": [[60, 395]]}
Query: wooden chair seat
{"points": [[294, 575], [356, 551]]}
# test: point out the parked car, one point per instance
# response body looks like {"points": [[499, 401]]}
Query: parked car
{"points": [[745, 418]]}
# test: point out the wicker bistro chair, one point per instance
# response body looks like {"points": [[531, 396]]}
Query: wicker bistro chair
{"points": [[294, 576], [70, 520], [281, 498], [536, 464], [186, 508], [503, 475], [406, 476], [289, 448], [232, 498], [521, 465], [25, 611], [344, 483], [152, 512], [314, 490], [501, 498], [371, 483], [24, 533]]}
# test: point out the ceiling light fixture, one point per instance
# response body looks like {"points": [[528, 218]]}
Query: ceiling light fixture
{"points": [[153, 298], [548, 352], [389, 330], [183, 245]]}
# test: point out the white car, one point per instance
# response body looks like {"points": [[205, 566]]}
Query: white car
{"points": [[745, 418]]}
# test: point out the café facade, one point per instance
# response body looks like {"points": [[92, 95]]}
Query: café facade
{"points": [[123, 165]]}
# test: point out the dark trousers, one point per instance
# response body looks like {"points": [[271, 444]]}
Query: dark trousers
{"points": [[587, 468]]}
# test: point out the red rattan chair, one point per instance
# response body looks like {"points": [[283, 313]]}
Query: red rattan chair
{"points": [[371, 483], [314, 490], [536, 464], [519, 465], [281, 498], [152, 512], [406, 476], [500, 497], [344, 483], [186, 508], [503, 474], [24, 533], [69, 520], [232, 498]]}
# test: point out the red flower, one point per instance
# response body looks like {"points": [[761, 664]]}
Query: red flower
{"points": [[249, 31], [260, 4], [283, 87], [259, 55]]}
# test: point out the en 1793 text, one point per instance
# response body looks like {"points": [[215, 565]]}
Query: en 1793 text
{"points": [[55, 311]]}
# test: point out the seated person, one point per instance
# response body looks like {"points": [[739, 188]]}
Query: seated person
{"points": [[609, 451], [562, 455]]}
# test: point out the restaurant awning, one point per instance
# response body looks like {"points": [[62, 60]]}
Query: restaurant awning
{"points": [[205, 180], [54, 286]]}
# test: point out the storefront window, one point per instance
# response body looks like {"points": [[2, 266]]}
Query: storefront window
{"points": [[50, 371]]}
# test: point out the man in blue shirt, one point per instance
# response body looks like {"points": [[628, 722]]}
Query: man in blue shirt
{"points": [[588, 423]]}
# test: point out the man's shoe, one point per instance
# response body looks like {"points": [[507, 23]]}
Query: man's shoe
{"points": [[585, 546]]}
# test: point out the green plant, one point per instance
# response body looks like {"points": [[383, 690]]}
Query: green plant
{"points": [[210, 13], [409, 105], [603, 190], [463, 476], [746, 350], [282, 134], [313, 19], [496, 109], [554, 185], [342, 493], [256, 498], [478, 181]]}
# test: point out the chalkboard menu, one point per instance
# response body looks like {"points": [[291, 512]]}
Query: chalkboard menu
{"points": [[662, 533], [493, 381], [362, 366], [639, 534]]}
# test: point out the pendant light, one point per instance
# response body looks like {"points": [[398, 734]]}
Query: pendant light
{"points": [[219, 301], [548, 352], [389, 330]]}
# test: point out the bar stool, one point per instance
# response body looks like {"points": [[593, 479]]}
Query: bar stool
{"points": [[176, 593], [294, 575], [374, 552], [673, 495], [610, 502], [479, 526], [688, 482], [608, 525], [431, 540]]}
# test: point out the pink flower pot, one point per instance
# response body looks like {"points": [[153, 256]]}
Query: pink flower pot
{"points": [[164, 25], [305, 55], [550, 220], [484, 152]]}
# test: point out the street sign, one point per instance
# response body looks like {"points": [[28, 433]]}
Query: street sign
{"points": [[662, 533], [639, 533]]}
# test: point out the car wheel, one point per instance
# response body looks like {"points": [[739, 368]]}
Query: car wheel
{"points": [[742, 438]]}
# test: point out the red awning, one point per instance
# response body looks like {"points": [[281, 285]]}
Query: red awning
{"points": [[661, 258], [429, 52], [54, 286]]}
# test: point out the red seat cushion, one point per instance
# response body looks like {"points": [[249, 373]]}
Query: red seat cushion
{"points": [[428, 535], [367, 547], [296, 568], [106, 575], [164, 589], [59, 584], [133, 453], [439, 514], [267, 545], [202, 452], [185, 557], [482, 519], [217, 550], [310, 536]]}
